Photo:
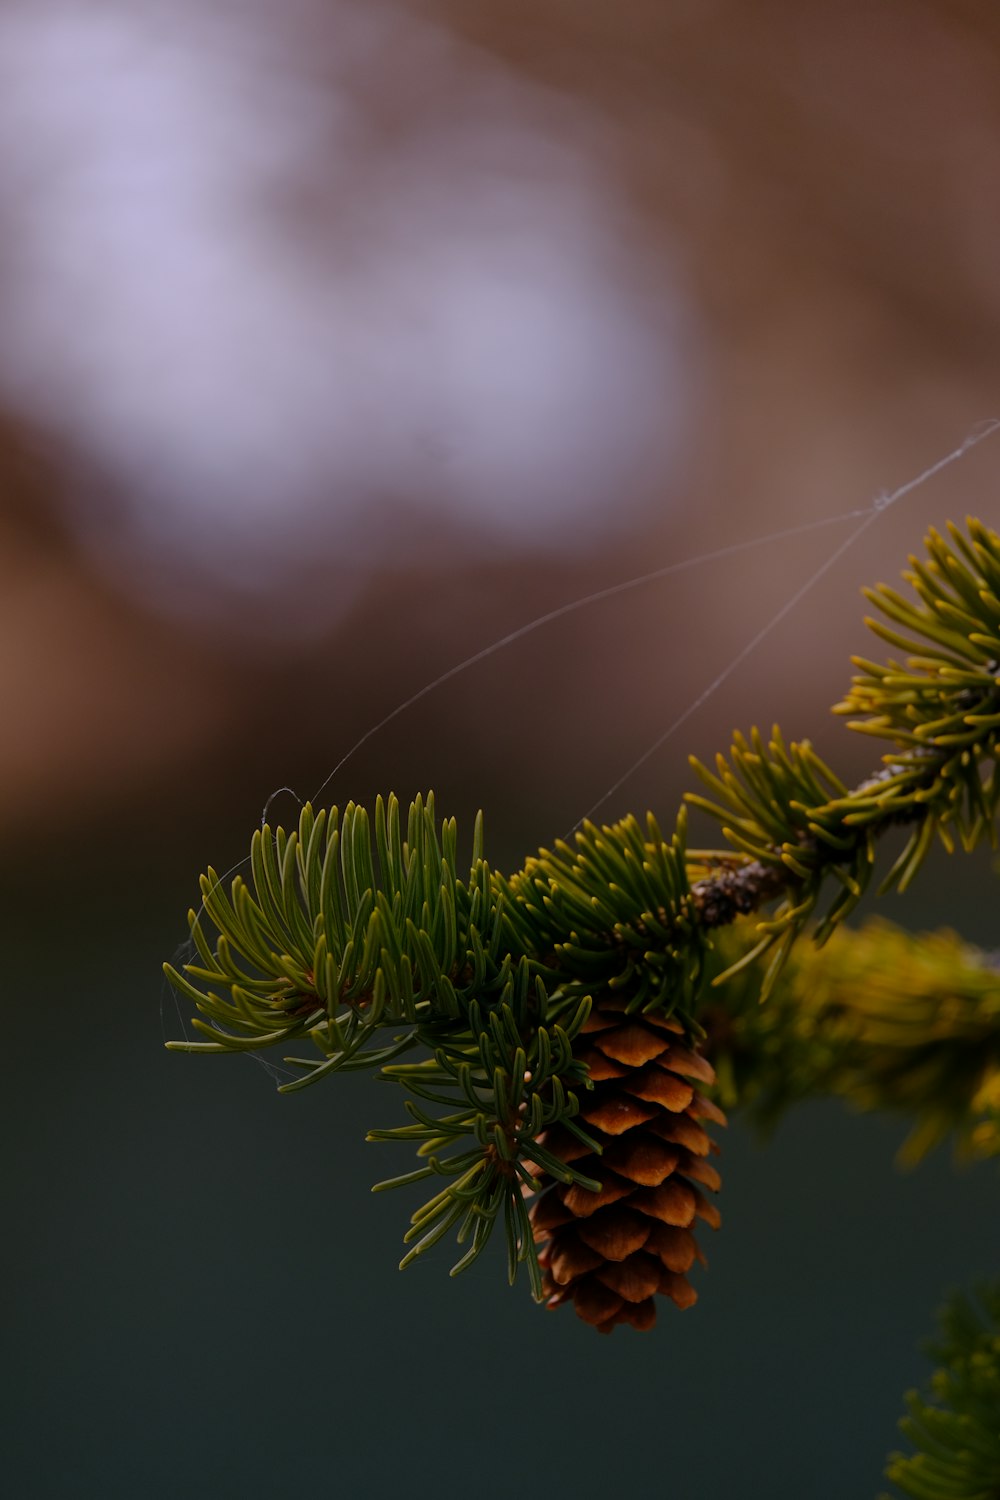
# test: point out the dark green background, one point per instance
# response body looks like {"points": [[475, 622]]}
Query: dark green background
{"points": [[202, 1295]]}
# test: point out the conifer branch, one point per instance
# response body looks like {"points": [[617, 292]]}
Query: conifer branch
{"points": [[560, 1024]]}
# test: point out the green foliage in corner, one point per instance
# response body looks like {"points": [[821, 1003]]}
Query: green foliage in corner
{"points": [[955, 1426]]}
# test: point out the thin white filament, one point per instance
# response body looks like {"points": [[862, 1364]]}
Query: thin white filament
{"points": [[558, 614], [871, 514]]}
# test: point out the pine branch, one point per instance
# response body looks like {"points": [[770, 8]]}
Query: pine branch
{"points": [[577, 990]]}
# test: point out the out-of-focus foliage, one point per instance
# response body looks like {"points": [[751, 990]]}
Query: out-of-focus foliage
{"points": [[884, 1018], [955, 1426]]}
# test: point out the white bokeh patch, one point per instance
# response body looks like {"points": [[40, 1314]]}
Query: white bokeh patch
{"points": [[463, 326]]}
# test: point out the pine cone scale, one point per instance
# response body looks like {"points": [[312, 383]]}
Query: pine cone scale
{"points": [[675, 1246], [581, 1202], [601, 1067], [642, 1158], [634, 1279], [574, 1258], [616, 1113], [654, 1085], [616, 1233], [672, 1203], [632, 1045]]}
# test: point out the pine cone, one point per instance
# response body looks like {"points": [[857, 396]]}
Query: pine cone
{"points": [[612, 1252]]}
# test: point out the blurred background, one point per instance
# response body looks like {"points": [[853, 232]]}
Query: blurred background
{"points": [[337, 340]]}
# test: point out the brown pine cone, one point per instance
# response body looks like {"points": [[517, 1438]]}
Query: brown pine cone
{"points": [[612, 1252]]}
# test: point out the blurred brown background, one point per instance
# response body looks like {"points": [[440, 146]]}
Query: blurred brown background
{"points": [[339, 340], [336, 341]]}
